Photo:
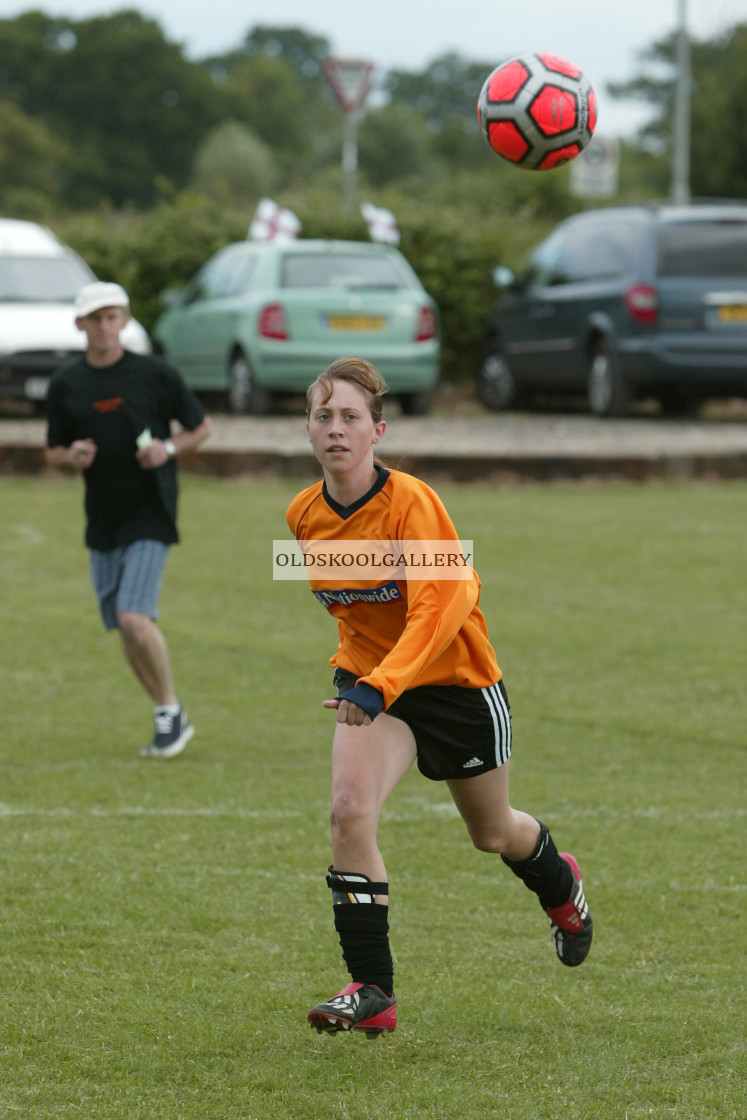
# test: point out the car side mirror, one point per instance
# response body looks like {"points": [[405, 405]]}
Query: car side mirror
{"points": [[503, 277], [171, 297]]}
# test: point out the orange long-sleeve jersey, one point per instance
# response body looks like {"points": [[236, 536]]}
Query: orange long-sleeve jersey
{"points": [[398, 634]]}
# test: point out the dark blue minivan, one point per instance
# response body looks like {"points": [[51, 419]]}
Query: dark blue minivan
{"points": [[623, 304]]}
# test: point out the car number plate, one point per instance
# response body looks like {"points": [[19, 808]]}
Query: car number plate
{"points": [[355, 322], [36, 388], [732, 313]]}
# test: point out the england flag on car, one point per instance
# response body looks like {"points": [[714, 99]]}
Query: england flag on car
{"points": [[382, 224], [272, 223]]}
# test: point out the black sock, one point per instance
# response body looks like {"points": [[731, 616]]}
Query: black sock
{"points": [[363, 929], [544, 872]]}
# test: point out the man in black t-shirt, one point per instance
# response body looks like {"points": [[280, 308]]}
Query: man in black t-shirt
{"points": [[110, 414]]}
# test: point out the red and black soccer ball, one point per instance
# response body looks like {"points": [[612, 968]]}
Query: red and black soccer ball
{"points": [[537, 111]]}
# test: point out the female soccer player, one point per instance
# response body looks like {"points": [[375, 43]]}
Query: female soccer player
{"points": [[416, 680]]}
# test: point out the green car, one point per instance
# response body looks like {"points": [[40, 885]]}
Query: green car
{"points": [[261, 319]]}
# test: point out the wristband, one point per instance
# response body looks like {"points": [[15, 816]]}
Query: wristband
{"points": [[366, 697]]}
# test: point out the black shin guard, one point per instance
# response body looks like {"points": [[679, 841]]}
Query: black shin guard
{"points": [[363, 928], [544, 872]]}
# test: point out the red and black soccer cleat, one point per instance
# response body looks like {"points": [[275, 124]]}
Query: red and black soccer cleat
{"points": [[572, 926], [358, 1007]]}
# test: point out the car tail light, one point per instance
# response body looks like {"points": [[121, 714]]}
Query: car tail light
{"points": [[427, 325], [642, 302], [272, 321]]}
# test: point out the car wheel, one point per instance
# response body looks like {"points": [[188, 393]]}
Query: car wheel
{"points": [[496, 387], [607, 390], [416, 404], [244, 394]]}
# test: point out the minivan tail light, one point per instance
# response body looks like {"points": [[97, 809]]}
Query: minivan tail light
{"points": [[642, 302], [272, 321], [427, 325]]}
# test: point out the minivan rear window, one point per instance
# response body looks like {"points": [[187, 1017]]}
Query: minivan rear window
{"points": [[705, 248]]}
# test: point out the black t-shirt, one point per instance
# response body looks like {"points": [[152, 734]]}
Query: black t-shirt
{"points": [[112, 406]]}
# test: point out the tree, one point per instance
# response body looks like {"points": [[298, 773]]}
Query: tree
{"points": [[265, 94], [393, 144], [234, 166], [274, 84], [306, 53], [446, 90], [718, 109], [445, 96], [719, 116], [30, 161], [125, 101]]}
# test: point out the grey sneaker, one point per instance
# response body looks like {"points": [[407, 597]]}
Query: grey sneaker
{"points": [[173, 732]]}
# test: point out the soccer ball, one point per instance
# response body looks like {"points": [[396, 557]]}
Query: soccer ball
{"points": [[537, 111]]}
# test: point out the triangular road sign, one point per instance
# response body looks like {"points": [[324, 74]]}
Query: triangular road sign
{"points": [[350, 79]]}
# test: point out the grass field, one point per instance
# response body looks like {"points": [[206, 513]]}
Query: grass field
{"points": [[165, 927]]}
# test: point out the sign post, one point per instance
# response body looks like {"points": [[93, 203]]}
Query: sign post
{"points": [[351, 82]]}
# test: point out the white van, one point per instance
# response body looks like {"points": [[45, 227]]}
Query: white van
{"points": [[39, 279]]}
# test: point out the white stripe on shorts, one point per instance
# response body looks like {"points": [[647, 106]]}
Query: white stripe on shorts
{"points": [[501, 722]]}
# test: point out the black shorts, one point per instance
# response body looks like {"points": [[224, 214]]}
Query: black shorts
{"points": [[459, 732]]}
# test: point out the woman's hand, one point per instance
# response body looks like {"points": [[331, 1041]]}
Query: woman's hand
{"points": [[348, 713]]}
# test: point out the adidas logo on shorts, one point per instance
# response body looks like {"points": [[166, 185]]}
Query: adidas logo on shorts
{"points": [[473, 762]]}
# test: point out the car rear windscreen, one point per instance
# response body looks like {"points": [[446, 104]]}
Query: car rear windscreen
{"points": [[704, 248], [320, 270]]}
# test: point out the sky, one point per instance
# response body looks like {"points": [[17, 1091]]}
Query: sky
{"points": [[604, 38]]}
